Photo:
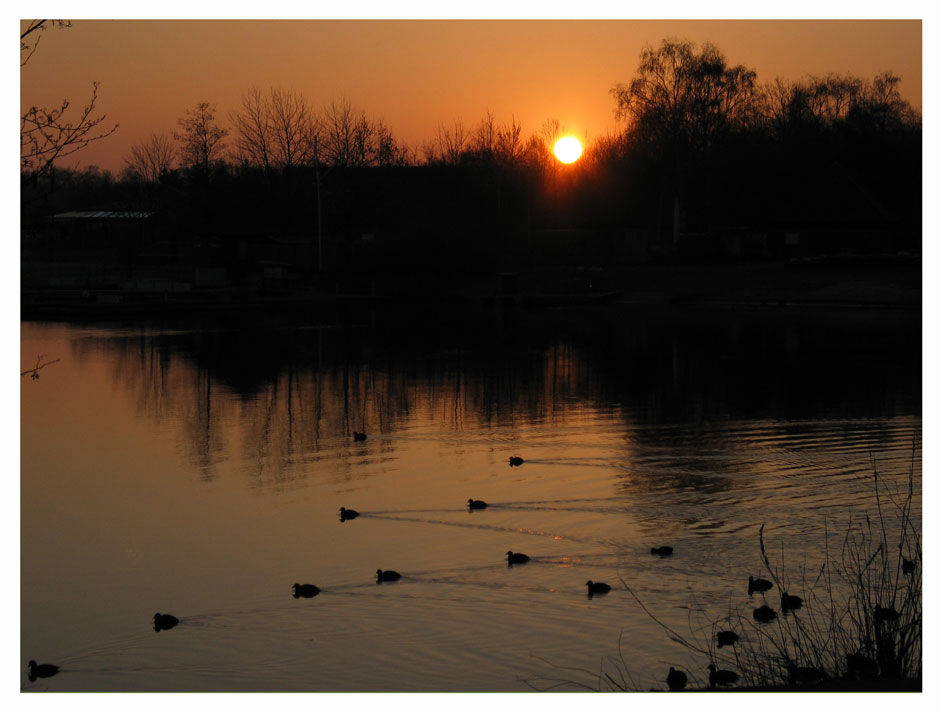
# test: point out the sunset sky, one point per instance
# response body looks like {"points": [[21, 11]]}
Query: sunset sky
{"points": [[416, 74]]}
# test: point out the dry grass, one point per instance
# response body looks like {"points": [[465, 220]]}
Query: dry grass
{"points": [[846, 633], [838, 641]]}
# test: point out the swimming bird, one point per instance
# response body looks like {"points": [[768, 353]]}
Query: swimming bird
{"points": [[676, 680], [516, 461], [347, 514], [305, 590], [516, 558], [758, 585], [41, 670], [908, 566], [387, 575], [860, 666], [164, 622], [886, 613], [807, 674], [597, 587], [359, 436], [475, 504], [764, 614], [717, 677], [789, 602], [663, 551], [726, 638]]}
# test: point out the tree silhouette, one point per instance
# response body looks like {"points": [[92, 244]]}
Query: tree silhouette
{"points": [[510, 148], [449, 145], [818, 104], [682, 99], [680, 105], [48, 134], [277, 130], [349, 139], [201, 139], [253, 131], [151, 159]]}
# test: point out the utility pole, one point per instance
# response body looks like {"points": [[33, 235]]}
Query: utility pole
{"points": [[316, 158], [319, 225]]}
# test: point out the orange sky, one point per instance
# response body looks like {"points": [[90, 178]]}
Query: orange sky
{"points": [[417, 73]]}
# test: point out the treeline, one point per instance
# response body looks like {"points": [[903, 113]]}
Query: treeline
{"points": [[703, 146], [717, 141], [277, 131]]}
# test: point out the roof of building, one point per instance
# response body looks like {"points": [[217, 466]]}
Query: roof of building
{"points": [[103, 214]]}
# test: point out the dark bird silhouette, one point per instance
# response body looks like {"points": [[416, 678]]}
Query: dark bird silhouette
{"points": [[908, 566], [388, 575], [597, 587], [475, 504], [726, 638], [347, 514], [789, 602], [807, 674], [676, 680], [764, 614], [516, 461], [717, 677], [359, 436], [305, 590], [41, 670], [516, 558], [663, 551], [164, 622], [758, 585], [860, 667], [886, 613]]}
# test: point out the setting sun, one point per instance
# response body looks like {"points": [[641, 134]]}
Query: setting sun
{"points": [[568, 149]]}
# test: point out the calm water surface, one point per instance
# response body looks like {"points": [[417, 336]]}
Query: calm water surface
{"points": [[198, 470]]}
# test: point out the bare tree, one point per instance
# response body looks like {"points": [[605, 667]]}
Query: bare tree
{"points": [[363, 140], [201, 138], [32, 34], [430, 152], [294, 129], [510, 147], [339, 121], [348, 138], [252, 129], [539, 148], [152, 158], [483, 140], [883, 99], [610, 148], [48, 134], [822, 102], [277, 130], [451, 142], [683, 99], [387, 150]]}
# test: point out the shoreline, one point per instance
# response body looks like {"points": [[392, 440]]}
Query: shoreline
{"points": [[889, 283]]}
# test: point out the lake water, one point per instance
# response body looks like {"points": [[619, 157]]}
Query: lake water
{"points": [[198, 469]]}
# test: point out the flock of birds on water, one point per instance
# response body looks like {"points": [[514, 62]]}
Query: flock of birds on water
{"points": [[676, 680], [858, 665]]}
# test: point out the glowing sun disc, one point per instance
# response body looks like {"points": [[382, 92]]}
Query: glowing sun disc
{"points": [[568, 149]]}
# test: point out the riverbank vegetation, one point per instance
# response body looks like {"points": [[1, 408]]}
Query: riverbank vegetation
{"points": [[854, 624]]}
